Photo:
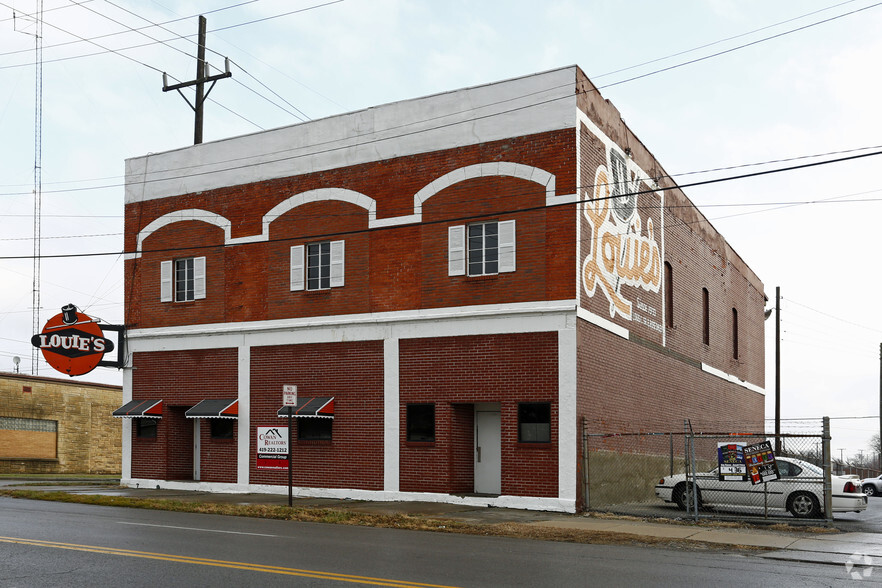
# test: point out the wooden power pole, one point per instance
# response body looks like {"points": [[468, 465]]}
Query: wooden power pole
{"points": [[202, 78]]}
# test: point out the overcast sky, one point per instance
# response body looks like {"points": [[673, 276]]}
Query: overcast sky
{"points": [[704, 84]]}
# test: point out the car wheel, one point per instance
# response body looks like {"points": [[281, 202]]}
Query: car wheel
{"points": [[680, 495], [869, 490], [804, 505]]}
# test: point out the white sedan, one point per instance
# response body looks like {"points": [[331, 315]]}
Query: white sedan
{"points": [[799, 491]]}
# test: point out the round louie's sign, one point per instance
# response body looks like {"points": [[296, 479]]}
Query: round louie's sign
{"points": [[72, 342]]}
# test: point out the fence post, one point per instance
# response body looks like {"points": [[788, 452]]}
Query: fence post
{"points": [[828, 484], [585, 464]]}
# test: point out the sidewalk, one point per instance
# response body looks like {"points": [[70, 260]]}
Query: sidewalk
{"points": [[861, 549]]}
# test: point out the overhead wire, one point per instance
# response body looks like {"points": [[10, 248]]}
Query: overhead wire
{"points": [[486, 105], [510, 211], [300, 116]]}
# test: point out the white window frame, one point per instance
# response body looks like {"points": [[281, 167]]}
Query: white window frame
{"points": [[300, 266], [168, 280], [458, 254]]}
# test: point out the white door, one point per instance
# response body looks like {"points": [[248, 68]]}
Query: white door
{"points": [[196, 448], [488, 452]]}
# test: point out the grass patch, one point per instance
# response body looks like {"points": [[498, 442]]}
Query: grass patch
{"points": [[398, 521]]}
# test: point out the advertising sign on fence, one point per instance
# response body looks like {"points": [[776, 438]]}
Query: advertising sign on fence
{"points": [[731, 462], [760, 461], [272, 448]]}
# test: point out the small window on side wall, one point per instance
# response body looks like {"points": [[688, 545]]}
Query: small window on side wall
{"points": [[534, 422], [146, 428], [223, 428], [421, 423]]}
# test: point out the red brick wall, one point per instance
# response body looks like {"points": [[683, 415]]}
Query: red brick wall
{"points": [[456, 372], [350, 372], [180, 379], [397, 268], [218, 457], [626, 386]]}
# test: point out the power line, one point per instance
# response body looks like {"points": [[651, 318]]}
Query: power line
{"points": [[720, 41], [117, 33], [511, 211], [758, 41], [236, 80]]}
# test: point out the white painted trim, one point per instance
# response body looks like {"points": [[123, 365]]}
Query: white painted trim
{"points": [[361, 326], [603, 323], [126, 466], [243, 446], [391, 418], [479, 170], [190, 214], [519, 502], [731, 378], [567, 426], [319, 195], [561, 200]]}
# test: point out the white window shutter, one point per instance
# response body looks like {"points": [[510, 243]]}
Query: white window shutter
{"points": [[507, 246], [166, 281], [198, 278], [337, 263], [456, 261], [297, 269]]}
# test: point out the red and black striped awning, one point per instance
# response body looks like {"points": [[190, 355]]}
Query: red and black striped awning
{"points": [[310, 406], [215, 408], [139, 409]]}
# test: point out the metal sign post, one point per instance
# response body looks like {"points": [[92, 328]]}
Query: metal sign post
{"points": [[289, 400]]}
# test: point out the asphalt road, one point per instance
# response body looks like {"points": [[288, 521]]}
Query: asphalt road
{"points": [[45, 544]]}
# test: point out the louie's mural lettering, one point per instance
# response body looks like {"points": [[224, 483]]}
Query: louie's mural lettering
{"points": [[621, 252]]}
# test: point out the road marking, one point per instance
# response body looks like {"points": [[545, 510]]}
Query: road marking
{"points": [[196, 529], [222, 563]]}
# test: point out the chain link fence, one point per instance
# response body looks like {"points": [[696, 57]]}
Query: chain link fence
{"points": [[700, 472]]}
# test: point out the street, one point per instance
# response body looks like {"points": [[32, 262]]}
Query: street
{"points": [[49, 544]]}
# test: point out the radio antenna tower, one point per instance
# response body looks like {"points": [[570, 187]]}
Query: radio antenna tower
{"points": [[38, 169]]}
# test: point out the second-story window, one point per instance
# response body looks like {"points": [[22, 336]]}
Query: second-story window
{"points": [[317, 266], [182, 280], [481, 249]]}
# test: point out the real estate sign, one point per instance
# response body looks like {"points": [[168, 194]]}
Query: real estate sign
{"points": [[272, 448]]}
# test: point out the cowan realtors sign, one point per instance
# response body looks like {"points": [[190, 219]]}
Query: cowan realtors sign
{"points": [[73, 343]]}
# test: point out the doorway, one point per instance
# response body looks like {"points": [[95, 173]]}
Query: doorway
{"points": [[488, 449]]}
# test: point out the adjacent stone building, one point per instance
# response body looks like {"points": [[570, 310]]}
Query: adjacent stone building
{"points": [[58, 426]]}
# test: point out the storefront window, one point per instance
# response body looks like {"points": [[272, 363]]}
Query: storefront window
{"points": [[421, 423], [534, 422]]}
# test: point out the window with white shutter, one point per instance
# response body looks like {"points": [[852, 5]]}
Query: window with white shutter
{"points": [[182, 280], [456, 251], [297, 268], [166, 281], [490, 248], [318, 266]]}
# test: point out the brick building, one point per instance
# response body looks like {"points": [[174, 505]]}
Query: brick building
{"points": [[453, 283], [58, 426]]}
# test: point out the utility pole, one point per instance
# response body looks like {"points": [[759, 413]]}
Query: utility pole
{"points": [[778, 370], [201, 78]]}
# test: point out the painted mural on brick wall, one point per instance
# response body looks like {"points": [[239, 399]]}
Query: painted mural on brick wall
{"points": [[622, 248]]}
